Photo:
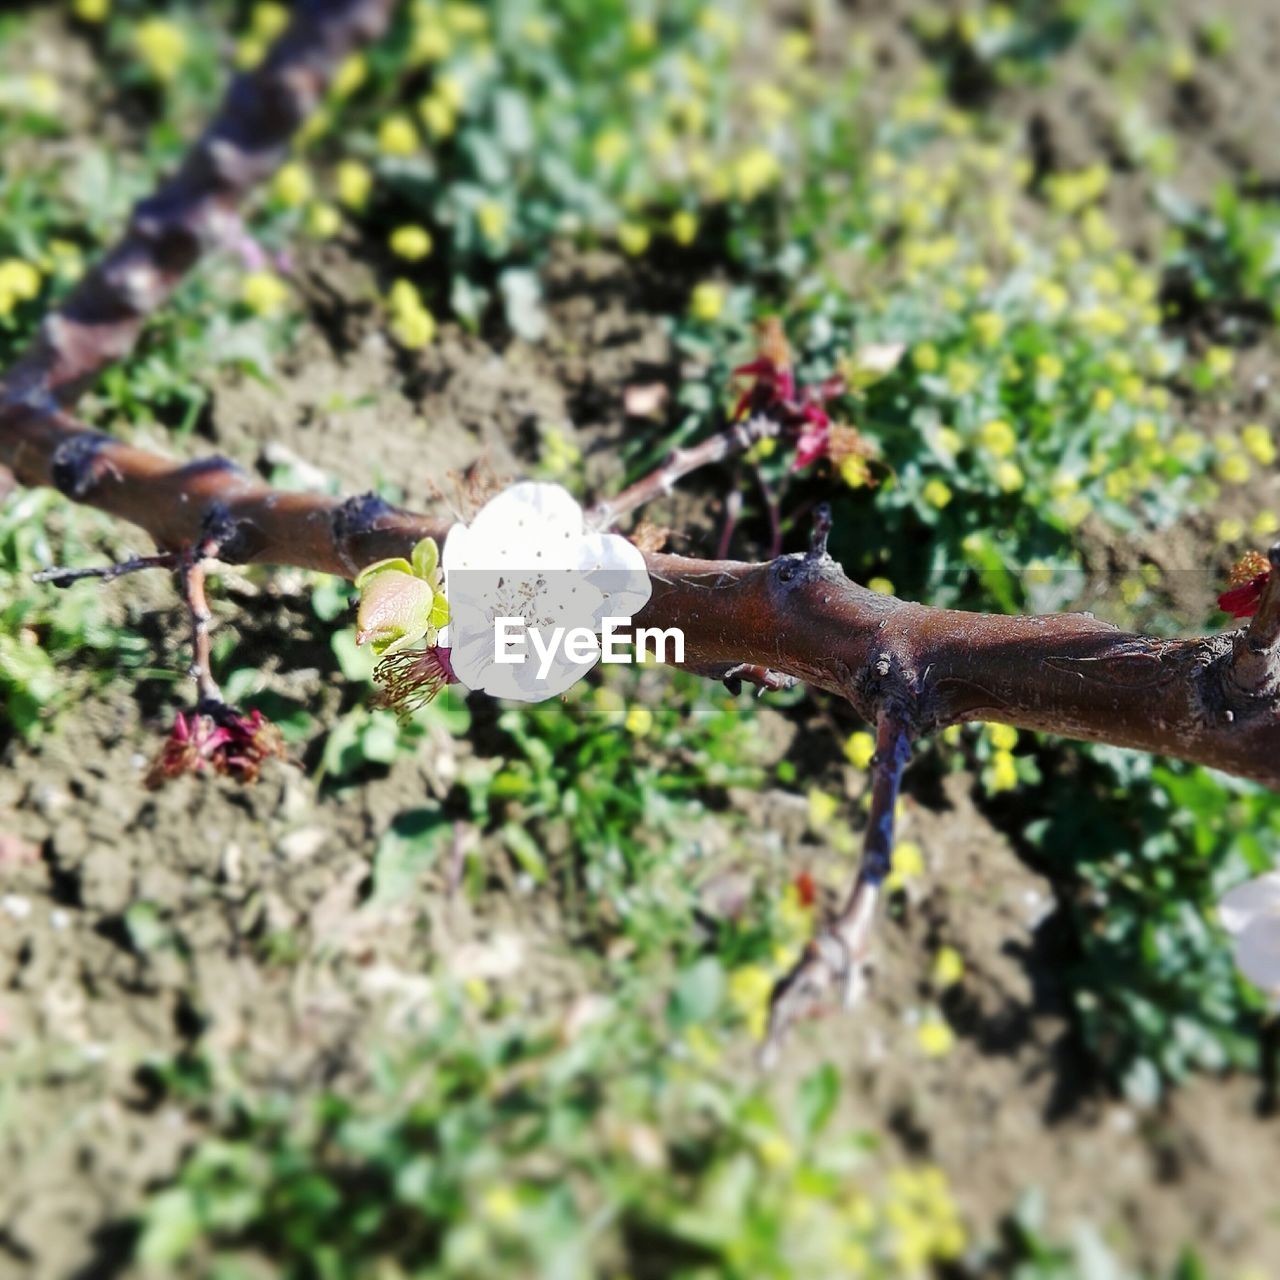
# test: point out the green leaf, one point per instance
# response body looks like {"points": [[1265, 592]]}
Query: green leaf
{"points": [[409, 847], [170, 1227], [426, 559], [697, 995]]}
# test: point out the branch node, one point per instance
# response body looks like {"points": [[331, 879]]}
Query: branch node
{"points": [[762, 678], [73, 467], [821, 532], [356, 517]]}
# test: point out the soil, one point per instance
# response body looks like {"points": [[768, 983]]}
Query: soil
{"points": [[230, 875]]}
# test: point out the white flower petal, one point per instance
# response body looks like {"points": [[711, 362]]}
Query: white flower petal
{"points": [[529, 554], [544, 512], [457, 548], [1258, 952], [1260, 896]]}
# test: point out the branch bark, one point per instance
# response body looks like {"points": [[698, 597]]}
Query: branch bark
{"points": [[101, 319], [1214, 700]]}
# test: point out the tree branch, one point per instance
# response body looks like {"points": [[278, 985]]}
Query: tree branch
{"points": [[101, 319], [835, 960], [737, 438], [793, 615]]}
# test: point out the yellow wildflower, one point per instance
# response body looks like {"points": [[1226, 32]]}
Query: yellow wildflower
{"points": [[998, 437], [641, 33], [91, 10], [859, 749], [684, 227], [162, 47], [19, 282], [750, 987], [292, 185], [755, 171], [925, 357], [937, 493], [706, 302], [323, 221], [639, 721], [430, 43], [413, 328], [609, 147], [948, 967], [1258, 442], [500, 1205], [397, 136], [411, 242], [908, 865], [438, 115], [351, 74], [988, 327], [1234, 469], [855, 471], [633, 237], [354, 182], [491, 218], [466, 19], [1009, 477], [962, 376], [1002, 773], [263, 292], [822, 808], [934, 1037], [1048, 367], [268, 20]]}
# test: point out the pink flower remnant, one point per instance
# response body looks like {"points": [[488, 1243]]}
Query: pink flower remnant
{"points": [[220, 739]]}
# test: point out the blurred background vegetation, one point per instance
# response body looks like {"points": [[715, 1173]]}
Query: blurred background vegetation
{"points": [[609, 197]]}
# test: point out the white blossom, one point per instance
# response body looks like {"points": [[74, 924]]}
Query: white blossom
{"points": [[530, 554], [1251, 914]]}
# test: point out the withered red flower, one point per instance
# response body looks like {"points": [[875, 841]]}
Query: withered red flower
{"points": [[798, 408], [411, 678], [806, 888], [1248, 576], [220, 739]]}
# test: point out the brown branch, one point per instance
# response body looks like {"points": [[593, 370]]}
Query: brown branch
{"points": [[835, 960], [793, 615], [191, 577], [737, 438], [101, 319], [799, 615], [60, 577]]}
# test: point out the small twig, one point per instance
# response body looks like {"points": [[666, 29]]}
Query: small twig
{"points": [[191, 578], [774, 510], [732, 510], [737, 438], [821, 531], [1264, 629], [60, 577], [835, 960]]}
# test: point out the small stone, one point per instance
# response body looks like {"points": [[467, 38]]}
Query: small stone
{"points": [[302, 844]]}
